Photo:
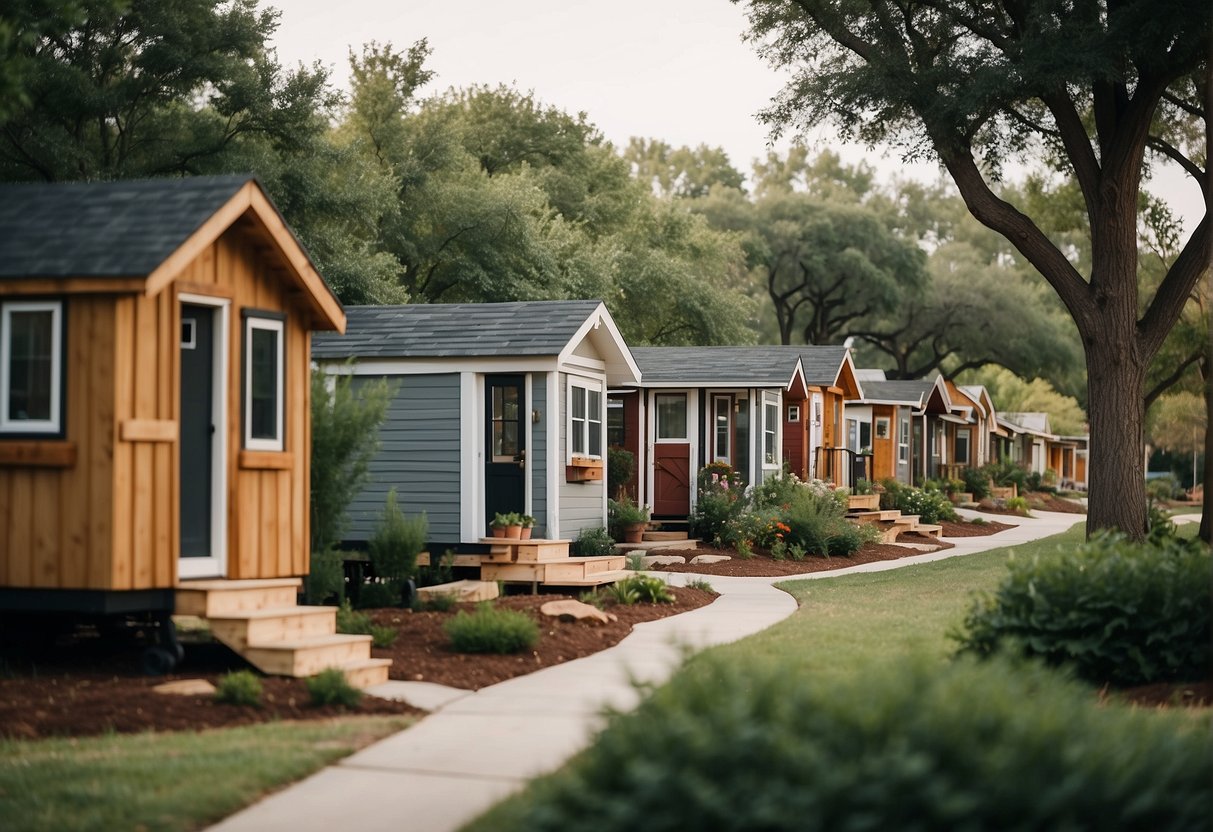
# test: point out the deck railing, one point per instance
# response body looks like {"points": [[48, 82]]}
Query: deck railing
{"points": [[841, 466]]}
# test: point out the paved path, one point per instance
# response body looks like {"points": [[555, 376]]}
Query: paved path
{"points": [[476, 748]]}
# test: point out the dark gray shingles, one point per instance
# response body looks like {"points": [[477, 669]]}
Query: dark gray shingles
{"points": [[911, 391], [103, 229], [761, 365], [456, 330]]}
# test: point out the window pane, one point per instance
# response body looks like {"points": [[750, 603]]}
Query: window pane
{"points": [[672, 416], [505, 440], [595, 430], [578, 402], [722, 430], [770, 416], [263, 404], [616, 432], [594, 420], [30, 370]]}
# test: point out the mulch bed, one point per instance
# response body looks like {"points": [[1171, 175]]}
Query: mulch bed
{"points": [[85, 685], [1038, 501], [422, 654], [1165, 695], [966, 529]]}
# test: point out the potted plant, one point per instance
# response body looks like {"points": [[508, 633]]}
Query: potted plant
{"points": [[499, 523], [629, 518], [528, 523], [513, 526]]}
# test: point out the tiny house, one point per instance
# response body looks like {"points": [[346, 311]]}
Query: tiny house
{"points": [[496, 408], [901, 423], [154, 391], [813, 427]]}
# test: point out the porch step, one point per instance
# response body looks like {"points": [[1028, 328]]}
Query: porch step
{"points": [[873, 516], [526, 551], [659, 537], [365, 673], [309, 656], [600, 578], [207, 598], [255, 627], [656, 545], [929, 529], [567, 572]]}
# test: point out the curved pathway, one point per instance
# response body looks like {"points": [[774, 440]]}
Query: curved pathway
{"points": [[476, 748]]}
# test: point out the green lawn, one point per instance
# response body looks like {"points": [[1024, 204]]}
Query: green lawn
{"points": [[171, 781]]}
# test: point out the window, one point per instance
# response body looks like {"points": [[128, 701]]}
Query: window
{"points": [[770, 425], [882, 427], [505, 422], [585, 421], [31, 367], [865, 437], [962, 446], [722, 429], [671, 416], [263, 380], [616, 429], [903, 442], [793, 413]]}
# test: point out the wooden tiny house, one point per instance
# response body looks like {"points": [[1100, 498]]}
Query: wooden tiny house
{"points": [[154, 391]]}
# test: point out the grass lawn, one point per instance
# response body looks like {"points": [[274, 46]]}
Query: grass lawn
{"points": [[171, 781]]}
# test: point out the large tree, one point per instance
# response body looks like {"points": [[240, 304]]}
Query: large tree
{"points": [[1095, 83]]}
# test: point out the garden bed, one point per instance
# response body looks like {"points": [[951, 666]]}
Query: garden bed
{"points": [[85, 685]]}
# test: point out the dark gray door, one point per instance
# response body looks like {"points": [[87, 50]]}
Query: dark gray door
{"points": [[197, 406], [505, 443]]}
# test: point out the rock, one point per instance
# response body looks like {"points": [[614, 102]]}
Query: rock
{"points": [[709, 559], [661, 560], [187, 687], [570, 610], [461, 590]]}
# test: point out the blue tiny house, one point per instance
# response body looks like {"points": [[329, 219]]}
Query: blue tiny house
{"points": [[497, 407]]}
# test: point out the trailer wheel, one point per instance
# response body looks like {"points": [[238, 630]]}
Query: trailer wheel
{"points": [[158, 661]]}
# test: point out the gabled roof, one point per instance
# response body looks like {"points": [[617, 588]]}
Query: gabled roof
{"points": [[480, 330], [753, 366], [138, 235], [909, 392], [1035, 423]]}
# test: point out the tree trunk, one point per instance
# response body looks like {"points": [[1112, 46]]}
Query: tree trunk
{"points": [[1206, 518], [1117, 486]]}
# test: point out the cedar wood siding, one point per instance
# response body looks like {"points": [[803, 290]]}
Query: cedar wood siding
{"points": [[418, 456], [111, 520]]}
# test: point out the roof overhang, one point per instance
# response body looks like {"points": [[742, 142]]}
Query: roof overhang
{"points": [[600, 330], [847, 380]]}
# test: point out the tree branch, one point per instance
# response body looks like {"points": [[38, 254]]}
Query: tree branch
{"points": [[1163, 385], [1175, 290]]}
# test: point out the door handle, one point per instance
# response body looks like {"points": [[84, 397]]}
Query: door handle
{"points": [[521, 458]]}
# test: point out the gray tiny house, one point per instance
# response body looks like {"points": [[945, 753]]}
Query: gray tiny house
{"points": [[496, 408]]}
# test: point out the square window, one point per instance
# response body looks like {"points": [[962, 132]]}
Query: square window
{"points": [[585, 421], [671, 415], [31, 367], [882, 427], [263, 384], [793, 413]]}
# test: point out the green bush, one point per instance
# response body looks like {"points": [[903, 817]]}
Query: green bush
{"points": [[776, 492], [701, 584], [444, 602], [1007, 473], [326, 580], [645, 589], [349, 621], [910, 745], [1164, 488], [721, 500], [1019, 505], [1120, 612], [330, 687], [490, 630], [817, 523], [977, 482], [621, 470], [379, 594], [242, 687], [396, 542], [592, 543], [930, 506]]}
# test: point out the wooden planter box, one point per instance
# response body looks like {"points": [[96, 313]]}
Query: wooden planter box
{"points": [[584, 470], [863, 502], [1004, 493]]}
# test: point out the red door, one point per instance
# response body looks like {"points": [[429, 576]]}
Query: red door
{"points": [[671, 480]]}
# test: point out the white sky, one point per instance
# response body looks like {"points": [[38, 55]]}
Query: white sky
{"points": [[675, 70]]}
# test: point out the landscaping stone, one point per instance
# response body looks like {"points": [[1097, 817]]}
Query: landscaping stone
{"points": [[469, 591], [661, 560], [709, 559], [187, 687], [570, 610]]}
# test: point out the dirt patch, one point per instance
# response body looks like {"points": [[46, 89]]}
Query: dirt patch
{"points": [[422, 654], [1165, 695], [85, 685], [1051, 502]]}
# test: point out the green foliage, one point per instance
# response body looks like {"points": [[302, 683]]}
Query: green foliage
{"points": [[621, 593], [624, 512], [1019, 505], [1164, 488], [721, 500], [396, 542], [976, 482], [621, 470], [1120, 612], [635, 561], [326, 580], [1007, 473], [491, 630], [379, 594], [593, 542], [930, 506], [863, 486], [907, 744], [330, 687], [776, 492], [345, 435], [240, 687], [701, 584], [817, 522], [440, 570], [1018, 395], [646, 589], [443, 602], [359, 623]]}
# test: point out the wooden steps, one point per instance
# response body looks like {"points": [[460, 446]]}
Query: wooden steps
{"points": [[548, 563], [260, 620], [664, 536]]}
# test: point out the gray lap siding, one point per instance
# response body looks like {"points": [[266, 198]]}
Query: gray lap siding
{"points": [[581, 503]]}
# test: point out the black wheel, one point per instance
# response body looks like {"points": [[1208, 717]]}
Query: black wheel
{"points": [[158, 660], [179, 650]]}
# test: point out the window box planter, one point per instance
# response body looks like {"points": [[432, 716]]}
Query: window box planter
{"points": [[584, 469]]}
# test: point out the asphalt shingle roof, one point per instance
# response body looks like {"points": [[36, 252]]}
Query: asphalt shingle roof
{"points": [[456, 329], [104, 229], [912, 391], [758, 366]]}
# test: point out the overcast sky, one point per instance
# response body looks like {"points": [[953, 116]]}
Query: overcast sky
{"points": [[676, 70]]}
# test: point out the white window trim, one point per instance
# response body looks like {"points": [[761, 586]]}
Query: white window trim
{"points": [[272, 325], [772, 400], [585, 384], [727, 456], [878, 422], [903, 443], [793, 413], [54, 424], [968, 445]]}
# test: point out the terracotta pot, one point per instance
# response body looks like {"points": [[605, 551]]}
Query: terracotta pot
{"points": [[513, 532], [498, 531], [634, 533], [526, 533]]}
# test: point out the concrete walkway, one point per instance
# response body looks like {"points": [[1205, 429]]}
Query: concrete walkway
{"points": [[477, 748]]}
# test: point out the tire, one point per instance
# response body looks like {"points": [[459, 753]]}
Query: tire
{"points": [[158, 661]]}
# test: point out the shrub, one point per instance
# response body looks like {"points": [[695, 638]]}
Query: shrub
{"points": [[753, 745], [634, 561], [776, 492], [242, 687], [490, 630], [396, 542], [440, 572], [1120, 612], [977, 482], [621, 469], [592, 542], [330, 687], [814, 520], [700, 584], [445, 602], [648, 589], [348, 621], [379, 594], [930, 506], [1019, 505], [1163, 488], [622, 593], [326, 580], [721, 499], [1007, 473]]}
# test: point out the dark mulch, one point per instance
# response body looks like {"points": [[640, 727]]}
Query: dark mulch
{"points": [[762, 565], [1165, 695], [421, 653], [1038, 501], [964, 528], [84, 685]]}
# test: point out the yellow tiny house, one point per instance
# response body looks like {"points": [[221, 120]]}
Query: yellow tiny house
{"points": [[154, 390]]}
